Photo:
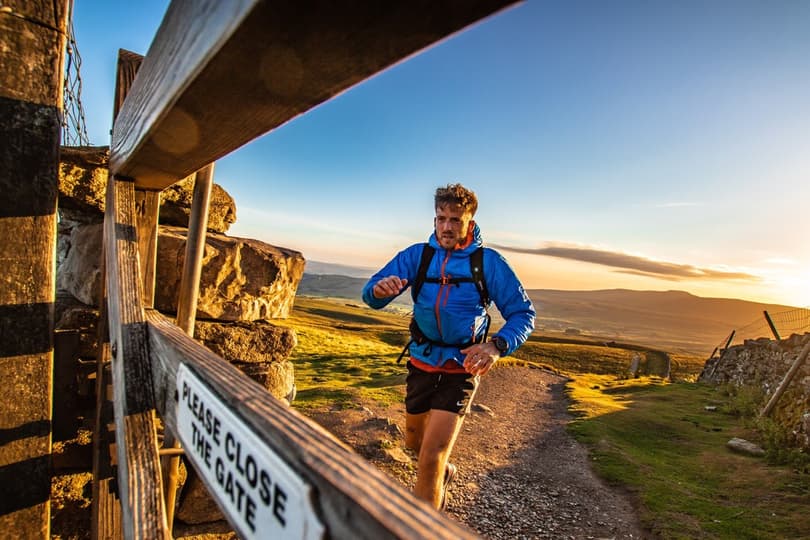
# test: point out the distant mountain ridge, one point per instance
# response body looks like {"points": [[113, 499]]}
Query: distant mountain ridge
{"points": [[673, 320], [325, 268]]}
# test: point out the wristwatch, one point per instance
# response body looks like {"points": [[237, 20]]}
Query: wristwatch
{"points": [[500, 344]]}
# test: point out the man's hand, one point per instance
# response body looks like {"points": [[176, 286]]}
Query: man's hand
{"points": [[480, 357], [389, 286]]}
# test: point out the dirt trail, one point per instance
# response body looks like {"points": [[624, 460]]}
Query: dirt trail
{"points": [[520, 475]]}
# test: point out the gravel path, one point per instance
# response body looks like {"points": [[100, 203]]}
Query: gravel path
{"points": [[520, 474]]}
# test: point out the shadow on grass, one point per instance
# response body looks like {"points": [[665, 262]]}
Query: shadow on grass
{"points": [[342, 315]]}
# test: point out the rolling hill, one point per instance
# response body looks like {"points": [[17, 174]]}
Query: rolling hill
{"points": [[672, 320]]}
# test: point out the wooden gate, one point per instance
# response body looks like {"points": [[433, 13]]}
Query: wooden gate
{"points": [[218, 75]]}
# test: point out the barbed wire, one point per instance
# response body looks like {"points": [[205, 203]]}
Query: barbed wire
{"points": [[74, 127]]}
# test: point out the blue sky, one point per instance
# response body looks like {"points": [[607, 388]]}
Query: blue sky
{"points": [[639, 144]]}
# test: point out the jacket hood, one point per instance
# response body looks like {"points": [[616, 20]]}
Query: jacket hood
{"points": [[474, 244]]}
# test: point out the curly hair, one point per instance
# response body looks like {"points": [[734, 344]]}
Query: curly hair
{"points": [[456, 194]]}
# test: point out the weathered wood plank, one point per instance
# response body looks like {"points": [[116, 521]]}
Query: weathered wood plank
{"points": [[147, 210], [106, 508], [356, 499], [195, 249], [139, 485], [789, 376], [128, 65], [32, 41], [220, 74], [187, 305]]}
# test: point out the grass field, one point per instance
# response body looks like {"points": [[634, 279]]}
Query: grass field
{"points": [[648, 435]]}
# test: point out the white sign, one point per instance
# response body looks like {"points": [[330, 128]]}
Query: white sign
{"points": [[261, 494]]}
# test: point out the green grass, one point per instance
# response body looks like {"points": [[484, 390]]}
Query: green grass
{"points": [[345, 354], [645, 435], [658, 441], [579, 356]]}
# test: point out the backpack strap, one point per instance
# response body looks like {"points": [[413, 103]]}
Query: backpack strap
{"points": [[476, 269], [421, 273]]}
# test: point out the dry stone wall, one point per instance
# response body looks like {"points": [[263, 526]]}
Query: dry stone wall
{"points": [[763, 363], [244, 282]]}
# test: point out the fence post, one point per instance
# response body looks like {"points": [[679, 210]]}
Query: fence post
{"points": [[786, 381], [187, 309], [720, 359], [32, 41], [770, 323], [730, 337]]}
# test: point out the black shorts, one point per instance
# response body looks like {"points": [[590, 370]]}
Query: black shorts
{"points": [[452, 392]]}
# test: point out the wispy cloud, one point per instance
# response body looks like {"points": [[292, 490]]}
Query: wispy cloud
{"points": [[262, 220], [678, 204], [633, 264]]}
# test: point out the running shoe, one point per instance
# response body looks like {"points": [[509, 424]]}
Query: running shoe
{"points": [[449, 476]]}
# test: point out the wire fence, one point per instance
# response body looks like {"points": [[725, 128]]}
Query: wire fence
{"points": [[786, 323], [74, 127]]}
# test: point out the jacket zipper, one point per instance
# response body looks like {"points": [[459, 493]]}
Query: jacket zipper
{"points": [[442, 288]]}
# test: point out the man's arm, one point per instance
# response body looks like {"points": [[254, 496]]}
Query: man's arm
{"points": [[512, 301], [514, 304], [390, 281]]}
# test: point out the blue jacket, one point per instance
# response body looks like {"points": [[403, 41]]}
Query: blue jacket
{"points": [[453, 314]]}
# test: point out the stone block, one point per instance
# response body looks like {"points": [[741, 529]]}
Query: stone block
{"points": [[241, 279], [175, 206]]}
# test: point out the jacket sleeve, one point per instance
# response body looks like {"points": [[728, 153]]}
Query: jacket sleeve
{"points": [[511, 299], [401, 265]]}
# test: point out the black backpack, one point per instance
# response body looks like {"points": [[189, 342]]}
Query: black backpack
{"points": [[476, 269], [477, 278]]}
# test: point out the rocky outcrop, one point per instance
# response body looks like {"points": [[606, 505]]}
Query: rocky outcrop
{"points": [[260, 349], [175, 206], [83, 185], [762, 364], [244, 282], [241, 341], [242, 279], [79, 269]]}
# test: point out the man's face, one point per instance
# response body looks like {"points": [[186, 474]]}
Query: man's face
{"points": [[452, 223]]}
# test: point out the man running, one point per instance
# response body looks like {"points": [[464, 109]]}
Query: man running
{"points": [[449, 349]]}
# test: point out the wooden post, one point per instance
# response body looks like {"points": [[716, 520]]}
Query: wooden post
{"points": [[147, 210], [143, 512], [770, 323], [147, 203], [187, 309], [195, 248], [786, 381], [730, 337], [32, 41], [723, 350], [106, 510], [106, 505]]}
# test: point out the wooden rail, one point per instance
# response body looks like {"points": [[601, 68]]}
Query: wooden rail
{"points": [[354, 498], [232, 71], [220, 74]]}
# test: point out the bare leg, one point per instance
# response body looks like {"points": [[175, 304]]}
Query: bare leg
{"points": [[414, 430], [440, 432]]}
